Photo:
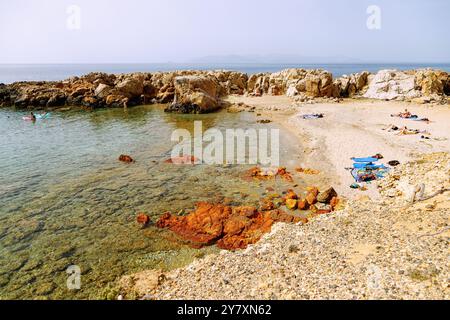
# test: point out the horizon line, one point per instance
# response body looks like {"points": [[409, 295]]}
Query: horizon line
{"points": [[224, 62]]}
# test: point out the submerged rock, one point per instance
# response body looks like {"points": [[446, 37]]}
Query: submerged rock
{"points": [[125, 158], [143, 219], [229, 227], [142, 283]]}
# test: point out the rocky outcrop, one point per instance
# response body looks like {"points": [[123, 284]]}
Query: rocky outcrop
{"points": [[432, 82], [408, 85], [350, 86], [200, 91], [292, 82], [195, 94], [229, 227], [392, 84]]}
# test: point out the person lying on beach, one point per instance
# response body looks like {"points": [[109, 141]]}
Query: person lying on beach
{"points": [[408, 115], [406, 131], [405, 115]]}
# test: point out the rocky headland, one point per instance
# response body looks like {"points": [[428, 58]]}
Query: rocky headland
{"points": [[202, 91]]}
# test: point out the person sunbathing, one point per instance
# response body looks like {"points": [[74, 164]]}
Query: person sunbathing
{"points": [[405, 131], [405, 115]]}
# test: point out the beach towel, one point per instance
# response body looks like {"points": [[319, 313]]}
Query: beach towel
{"points": [[366, 160], [368, 166], [366, 169]]}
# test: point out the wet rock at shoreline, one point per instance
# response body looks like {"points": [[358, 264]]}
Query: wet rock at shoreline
{"points": [[327, 195], [126, 158], [230, 228], [194, 94]]}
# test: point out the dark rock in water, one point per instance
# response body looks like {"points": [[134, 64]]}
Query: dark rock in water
{"points": [[57, 100], [182, 108]]}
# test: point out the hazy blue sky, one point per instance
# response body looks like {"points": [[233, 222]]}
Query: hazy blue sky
{"points": [[35, 31]]}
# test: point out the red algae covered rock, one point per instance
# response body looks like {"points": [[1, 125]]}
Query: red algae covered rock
{"points": [[284, 174], [182, 160], [302, 204], [230, 228], [311, 196], [290, 194], [143, 219], [291, 204], [204, 226], [125, 158]]}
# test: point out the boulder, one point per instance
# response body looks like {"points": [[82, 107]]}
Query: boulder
{"points": [[132, 86], [432, 81], [311, 195], [116, 101], [195, 94], [102, 90], [319, 84], [392, 84], [57, 100], [230, 228], [327, 195]]}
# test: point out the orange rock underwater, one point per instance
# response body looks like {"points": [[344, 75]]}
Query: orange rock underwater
{"points": [[229, 227]]}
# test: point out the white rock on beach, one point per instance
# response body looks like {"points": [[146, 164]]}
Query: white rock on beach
{"points": [[391, 85]]}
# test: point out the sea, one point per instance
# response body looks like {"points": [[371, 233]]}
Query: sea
{"points": [[10, 73]]}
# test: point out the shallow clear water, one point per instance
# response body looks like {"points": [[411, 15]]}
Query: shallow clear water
{"points": [[66, 200]]}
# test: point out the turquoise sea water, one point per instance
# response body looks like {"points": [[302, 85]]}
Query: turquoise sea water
{"points": [[37, 72], [66, 200]]}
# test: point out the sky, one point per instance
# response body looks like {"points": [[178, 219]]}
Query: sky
{"points": [[154, 31]]}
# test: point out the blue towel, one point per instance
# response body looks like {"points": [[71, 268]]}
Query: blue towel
{"points": [[368, 166], [368, 159]]}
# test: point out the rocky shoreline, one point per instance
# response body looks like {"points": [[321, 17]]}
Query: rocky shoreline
{"points": [[392, 248], [202, 91]]}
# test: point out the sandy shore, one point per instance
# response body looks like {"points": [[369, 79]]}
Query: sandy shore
{"points": [[378, 247], [354, 128]]}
